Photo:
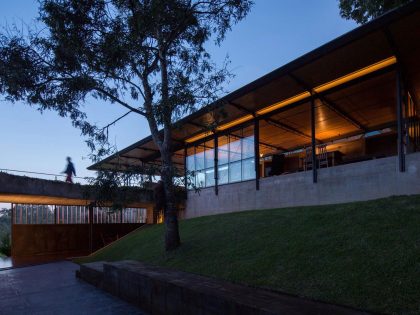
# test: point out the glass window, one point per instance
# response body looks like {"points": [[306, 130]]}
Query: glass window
{"points": [[209, 156], [199, 161], [200, 179], [235, 159], [235, 150], [190, 163], [223, 174], [223, 150], [248, 147], [209, 177], [248, 169], [235, 172]]}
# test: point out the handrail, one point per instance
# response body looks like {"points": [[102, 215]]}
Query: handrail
{"points": [[40, 173]]}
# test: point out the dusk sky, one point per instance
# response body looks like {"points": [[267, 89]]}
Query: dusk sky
{"points": [[275, 32]]}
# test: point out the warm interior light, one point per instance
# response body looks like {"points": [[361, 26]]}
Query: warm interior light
{"points": [[235, 122], [321, 88], [199, 136], [286, 102], [356, 74]]}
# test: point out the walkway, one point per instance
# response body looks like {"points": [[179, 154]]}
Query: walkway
{"points": [[54, 289], [23, 189]]}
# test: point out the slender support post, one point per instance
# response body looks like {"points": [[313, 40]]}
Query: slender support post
{"points": [[407, 121], [314, 161], [400, 124], [257, 153], [91, 228], [185, 169], [216, 164], [12, 223], [55, 214]]}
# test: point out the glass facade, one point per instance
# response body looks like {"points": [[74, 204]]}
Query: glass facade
{"points": [[236, 159], [200, 164]]}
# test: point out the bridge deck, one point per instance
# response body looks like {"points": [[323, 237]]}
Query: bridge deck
{"points": [[23, 189]]}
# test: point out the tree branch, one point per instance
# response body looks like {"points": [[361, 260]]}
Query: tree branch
{"points": [[117, 100]]}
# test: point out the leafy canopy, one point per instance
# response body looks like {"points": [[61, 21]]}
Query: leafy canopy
{"points": [[362, 11], [146, 55]]}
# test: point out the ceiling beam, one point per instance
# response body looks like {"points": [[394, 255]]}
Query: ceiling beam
{"points": [[400, 63], [274, 122], [328, 103], [287, 128]]}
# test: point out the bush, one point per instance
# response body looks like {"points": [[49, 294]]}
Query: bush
{"points": [[5, 245]]}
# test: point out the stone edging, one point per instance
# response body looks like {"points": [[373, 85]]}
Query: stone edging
{"points": [[159, 290]]}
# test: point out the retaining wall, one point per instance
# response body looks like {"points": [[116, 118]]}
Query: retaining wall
{"points": [[158, 290], [360, 181]]}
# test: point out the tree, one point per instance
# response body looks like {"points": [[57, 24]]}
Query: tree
{"points": [[146, 55], [362, 11], [5, 224]]}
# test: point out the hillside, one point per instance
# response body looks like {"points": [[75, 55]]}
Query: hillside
{"points": [[364, 254]]}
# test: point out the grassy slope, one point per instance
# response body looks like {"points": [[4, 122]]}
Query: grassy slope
{"points": [[364, 254]]}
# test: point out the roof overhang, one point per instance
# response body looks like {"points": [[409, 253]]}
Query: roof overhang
{"points": [[368, 50]]}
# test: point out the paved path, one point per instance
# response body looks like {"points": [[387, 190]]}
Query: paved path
{"points": [[54, 289]]}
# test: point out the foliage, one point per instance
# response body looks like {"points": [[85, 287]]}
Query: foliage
{"points": [[362, 254], [362, 11], [5, 222], [146, 55], [5, 245]]}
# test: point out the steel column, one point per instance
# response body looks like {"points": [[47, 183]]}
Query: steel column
{"points": [[216, 164], [90, 227], [185, 168], [257, 153], [400, 124], [313, 142]]}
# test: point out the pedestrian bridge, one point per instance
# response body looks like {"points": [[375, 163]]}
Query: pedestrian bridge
{"points": [[27, 190], [54, 220]]}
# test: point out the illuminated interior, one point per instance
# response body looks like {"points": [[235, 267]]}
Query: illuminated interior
{"points": [[352, 82], [321, 88]]}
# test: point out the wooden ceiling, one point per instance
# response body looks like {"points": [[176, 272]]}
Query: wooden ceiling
{"points": [[365, 105]]}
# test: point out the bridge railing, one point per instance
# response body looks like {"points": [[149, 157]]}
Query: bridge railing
{"points": [[59, 214], [131, 182], [49, 176]]}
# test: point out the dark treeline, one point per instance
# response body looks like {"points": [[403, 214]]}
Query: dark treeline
{"points": [[5, 217]]}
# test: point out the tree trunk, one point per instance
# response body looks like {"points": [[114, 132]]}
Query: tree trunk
{"points": [[172, 239]]}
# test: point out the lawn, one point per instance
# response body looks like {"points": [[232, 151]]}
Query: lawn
{"points": [[363, 254]]}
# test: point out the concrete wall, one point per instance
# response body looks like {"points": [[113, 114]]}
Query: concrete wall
{"points": [[345, 183], [23, 189], [158, 290]]}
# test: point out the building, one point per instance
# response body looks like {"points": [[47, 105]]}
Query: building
{"points": [[338, 124]]}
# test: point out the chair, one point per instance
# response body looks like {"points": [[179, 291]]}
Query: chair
{"points": [[322, 156], [307, 160]]}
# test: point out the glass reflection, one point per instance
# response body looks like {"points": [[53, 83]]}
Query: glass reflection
{"points": [[235, 159]]}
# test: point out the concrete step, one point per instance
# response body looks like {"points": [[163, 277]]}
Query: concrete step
{"points": [[92, 273], [164, 291]]}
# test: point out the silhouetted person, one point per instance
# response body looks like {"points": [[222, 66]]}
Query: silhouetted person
{"points": [[70, 171]]}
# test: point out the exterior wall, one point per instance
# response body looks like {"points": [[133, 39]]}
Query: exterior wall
{"points": [[33, 243], [345, 183]]}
